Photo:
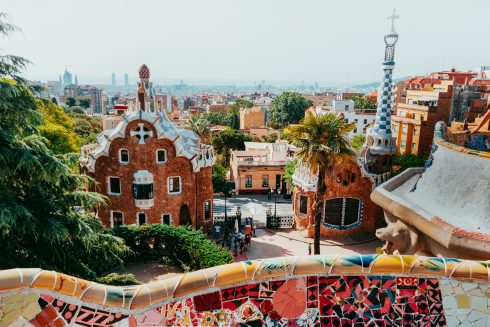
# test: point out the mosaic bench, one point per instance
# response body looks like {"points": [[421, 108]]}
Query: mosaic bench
{"points": [[368, 290]]}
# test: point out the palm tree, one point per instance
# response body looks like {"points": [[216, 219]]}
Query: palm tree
{"points": [[200, 126], [323, 143]]}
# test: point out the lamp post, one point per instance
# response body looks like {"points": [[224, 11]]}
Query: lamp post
{"points": [[275, 203]]}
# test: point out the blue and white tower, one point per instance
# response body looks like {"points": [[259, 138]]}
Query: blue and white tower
{"points": [[381, 143]]}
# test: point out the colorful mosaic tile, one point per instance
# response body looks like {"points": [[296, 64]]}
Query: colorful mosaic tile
{"points": [[312, 299]]}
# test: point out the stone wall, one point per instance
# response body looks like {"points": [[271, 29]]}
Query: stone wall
{"points": [[196, 187], [370, 290], [341, 184]]}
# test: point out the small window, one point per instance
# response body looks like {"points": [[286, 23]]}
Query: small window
{"points": [[365, 121], [355, 120], [404, 130], [414, 145], [303, 204], [166, 219], [355, 130], [141, 219], [143, 191], [265, 180], [396, 128], [174, 186], [404, 143], [124, 156], [161, 156], [346, 107], [207, 210], [353, 178], [248, 181], [114, 186], [116, 219], [415, 131]]}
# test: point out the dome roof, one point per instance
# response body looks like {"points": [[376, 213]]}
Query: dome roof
{"points": [[144, 71]]}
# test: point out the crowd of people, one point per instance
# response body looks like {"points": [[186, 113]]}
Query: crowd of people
{"points": [[235, 238]]}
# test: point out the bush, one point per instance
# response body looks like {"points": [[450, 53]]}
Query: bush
{"points": [[186, 246], [118, 279]]}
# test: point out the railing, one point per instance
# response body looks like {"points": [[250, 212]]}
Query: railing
{"points": [[279, 221]]}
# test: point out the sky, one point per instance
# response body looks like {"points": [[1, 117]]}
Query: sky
{"points": [[332, 42]]}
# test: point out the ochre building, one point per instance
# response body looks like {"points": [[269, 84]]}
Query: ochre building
{"points": [[150, 170]]}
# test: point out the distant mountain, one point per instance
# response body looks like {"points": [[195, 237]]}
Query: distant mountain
{"points": [[375, 85]]}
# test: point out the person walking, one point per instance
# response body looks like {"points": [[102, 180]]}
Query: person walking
{"points": [[309, 248]]}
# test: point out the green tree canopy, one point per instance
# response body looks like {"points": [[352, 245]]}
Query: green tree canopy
{"points": [[363, 102], [357, 142], [288, 108], [229, 139], [87, 128], [70, 101], [402, 162], [83, 101], [218, 177], [289, 171], [57, 128], [43, 206]]}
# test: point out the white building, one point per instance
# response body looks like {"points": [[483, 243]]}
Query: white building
{"points": [[342, 105], [362, 117]]}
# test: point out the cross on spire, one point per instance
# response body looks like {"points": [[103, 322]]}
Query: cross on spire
{"points": [[393, 17]]}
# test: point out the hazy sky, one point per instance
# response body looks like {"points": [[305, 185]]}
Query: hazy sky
{"points": [[281, 41]]}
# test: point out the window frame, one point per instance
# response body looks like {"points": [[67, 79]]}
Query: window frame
{"points": [[307, 204], [265, 177], [120, 156], [138, 218], [168, 185], [112, 217], [162, 221], [204, 210], [247, 185], [360, 212], [109, 189], [156, 156]]}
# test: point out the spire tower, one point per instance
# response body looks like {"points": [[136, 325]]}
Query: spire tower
{"points": [[381, 145]]}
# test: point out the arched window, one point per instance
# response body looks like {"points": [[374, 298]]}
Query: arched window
{"points": [[343, 213]]}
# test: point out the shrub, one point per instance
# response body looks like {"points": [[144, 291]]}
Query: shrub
{"points": [[186, 246], [118, 279]]}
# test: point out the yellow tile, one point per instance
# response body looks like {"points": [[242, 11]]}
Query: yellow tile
{"points": [[12, 299], [463, 301], [8, 318], [31, 310]]}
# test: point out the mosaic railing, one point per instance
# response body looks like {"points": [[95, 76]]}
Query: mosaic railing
{"points": [[373, 290]]}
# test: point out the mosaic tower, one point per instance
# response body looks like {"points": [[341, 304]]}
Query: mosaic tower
{"points": [[382, 144]]}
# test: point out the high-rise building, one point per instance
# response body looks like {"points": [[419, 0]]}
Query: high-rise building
{"points": [[126, 79], [113, 79], [76, 80], [67, 78]]}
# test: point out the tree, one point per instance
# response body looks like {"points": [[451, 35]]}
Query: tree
{"points": [[323, 144], [229, 139], [288, 108], [44, 219], [70, 101], [75, 110], [87, 128], [357, 142], [57, 128], [83, 101], [200, 126], [218, 177], [363, 102], [402, 162], [289, 171]]}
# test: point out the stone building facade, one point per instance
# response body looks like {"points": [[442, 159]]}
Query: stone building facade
{"points": [[150, 170], [348, 208]]}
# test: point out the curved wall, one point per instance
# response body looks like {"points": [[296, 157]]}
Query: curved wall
{"points": [[328, 290]]}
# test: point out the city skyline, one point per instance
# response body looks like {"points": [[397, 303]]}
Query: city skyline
{"points": [[244, 42]]}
